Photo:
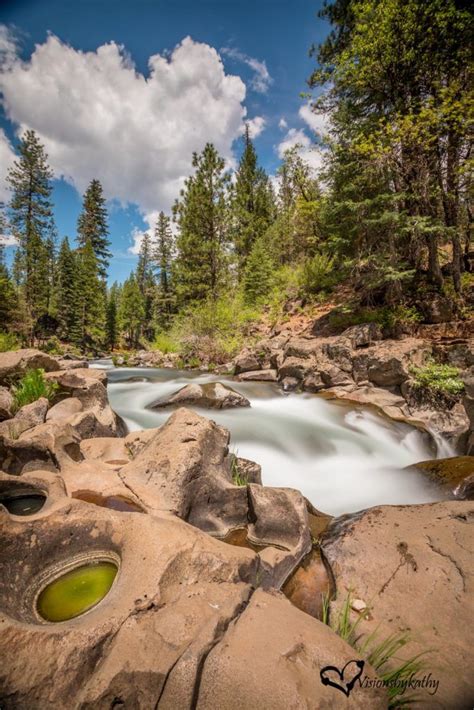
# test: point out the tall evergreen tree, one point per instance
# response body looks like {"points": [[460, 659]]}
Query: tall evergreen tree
{"points": [[67, 293], [111, 330], [7, 289], [162, 255], [201, 215], [92, 226], [31, 221], [252, 206], [146, 283], [257, 279], [131, 312], [91, 299]]}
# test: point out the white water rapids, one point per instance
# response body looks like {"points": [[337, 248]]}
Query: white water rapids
{"points": [[343, 458]]}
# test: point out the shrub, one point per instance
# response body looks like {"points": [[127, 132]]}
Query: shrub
{"points": [[165, 343], [8, 342], [318, 274], [438, 379], [52, 346], [31, 387]]}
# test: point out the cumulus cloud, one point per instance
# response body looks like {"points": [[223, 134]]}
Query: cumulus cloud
{"points": [[261, 79], [282, 124], [312, 154], [7, 156], [318, 122], [100, 118], [256, 126]]}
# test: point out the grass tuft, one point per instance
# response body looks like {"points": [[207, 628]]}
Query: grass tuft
{"points": [[31, 387]]}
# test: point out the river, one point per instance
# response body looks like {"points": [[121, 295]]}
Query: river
{"points": [[343, 458]]}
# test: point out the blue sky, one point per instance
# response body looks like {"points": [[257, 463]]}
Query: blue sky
{"points": [[103, 111]]}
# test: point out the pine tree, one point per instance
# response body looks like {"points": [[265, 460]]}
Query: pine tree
{"points": [[257, 279], [162, 255], [131, 312], [200, 268], [91, 299], [92, 226], [7, 289], [32, 224], [252, 207], [146, 284], [111, 328], [67, 293]]}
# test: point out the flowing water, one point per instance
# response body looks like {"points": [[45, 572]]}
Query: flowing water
{"points": [[343, 458]]}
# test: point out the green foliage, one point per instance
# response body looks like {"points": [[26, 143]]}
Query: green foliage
{"points": [[92, 226], [382, 654], [8, 341], [238, 478], [438, 379], [388, 318], [318, 274], [53, 346], [131, 311], [31, 387], [258, 274], [90, 300], [165, 343]]}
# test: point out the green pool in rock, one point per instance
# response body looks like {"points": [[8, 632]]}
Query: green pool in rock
{"points": [[76, 591]]}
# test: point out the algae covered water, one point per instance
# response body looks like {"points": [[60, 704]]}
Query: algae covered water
{"points": [[76, 591], [343, 458]]}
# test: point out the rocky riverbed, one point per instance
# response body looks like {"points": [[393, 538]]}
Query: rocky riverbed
{"points": [[208, 607]]}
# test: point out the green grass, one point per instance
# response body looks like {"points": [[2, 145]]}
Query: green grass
{"points": [[438, 379], [380, 653], [31, 387], [165, 343], [8, 342], [238, 479]]}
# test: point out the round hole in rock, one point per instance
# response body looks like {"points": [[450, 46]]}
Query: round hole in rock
{"points": [[76, 591], [22, 500]]}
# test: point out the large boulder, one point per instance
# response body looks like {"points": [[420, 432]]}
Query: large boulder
{"points": [[361, 336], [246, 361], [15, 363], [213, 395], [388, 362], [468, 403], [276, 655], [451, 473], [412, 567], [259, 376], [27, 417]]}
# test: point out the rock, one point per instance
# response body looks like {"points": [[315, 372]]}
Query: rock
{"points": [[313, 382], [65, 363], [451, 473], [110, 451], [465, 490], [289, 384], [65, 409], [361, 336], [211, 396], [294, 367], [250, 471], [413, 564], [17, 362], [468, 403], [89, 387], [175, 593], [246, 361], [135, 441], [259, 376], [288, 651], [27, 417], [6, 404], [333, 376], [388, 363]]}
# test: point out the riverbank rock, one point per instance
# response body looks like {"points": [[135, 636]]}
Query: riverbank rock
{"points": [[259, 376], [27, 417], [247, 361], [455, 474], [6, 403], [209, 396], [287, 649], [361, 336], [16, 362], [413, 566]]}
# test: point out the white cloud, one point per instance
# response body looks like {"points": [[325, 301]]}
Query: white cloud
{"points": [[318, 122], [261, 80], [100, 118], [8, 240], [312, 154], [7, 156], [256, 126], [8, 46], [282, 124]]}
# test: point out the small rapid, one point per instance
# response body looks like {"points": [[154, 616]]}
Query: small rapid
{"points": [[342, 457]]}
